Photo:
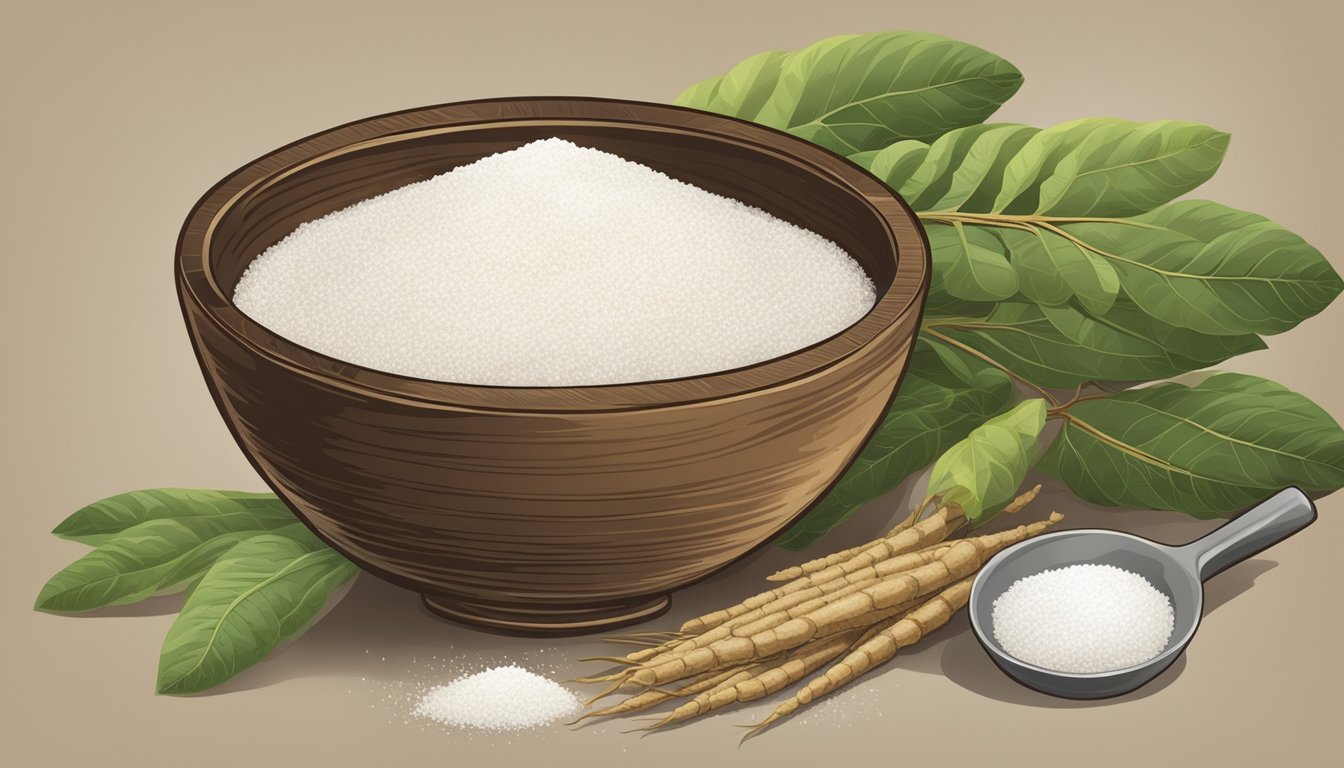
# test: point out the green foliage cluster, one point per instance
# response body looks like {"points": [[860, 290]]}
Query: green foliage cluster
{"points": [[1064, 269], [254, 575]]}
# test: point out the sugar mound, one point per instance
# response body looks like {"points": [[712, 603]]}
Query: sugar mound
{"points": [[499, 699], [1083, 618], [553, 265]]}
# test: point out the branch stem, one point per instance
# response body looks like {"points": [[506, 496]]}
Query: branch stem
{"points": [[982, 356]]}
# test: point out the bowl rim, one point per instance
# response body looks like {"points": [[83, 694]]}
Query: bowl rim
{"points": [[198, 289]]}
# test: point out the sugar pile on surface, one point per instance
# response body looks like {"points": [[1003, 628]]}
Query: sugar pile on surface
{"points": [[553, 265], [1083, 618], [499, 699]]}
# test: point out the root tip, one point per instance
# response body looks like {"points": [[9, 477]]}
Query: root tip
{"points": [[755, 730]]}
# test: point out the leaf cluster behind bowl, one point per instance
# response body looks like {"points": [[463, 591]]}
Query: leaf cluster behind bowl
{"points": [[254, 575], [1062, 261]]}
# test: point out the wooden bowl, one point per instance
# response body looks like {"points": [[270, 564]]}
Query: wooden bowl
{"points": [[550, 510]]}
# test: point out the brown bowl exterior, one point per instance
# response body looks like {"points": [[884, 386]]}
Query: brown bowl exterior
{"points": [[549, 510]]}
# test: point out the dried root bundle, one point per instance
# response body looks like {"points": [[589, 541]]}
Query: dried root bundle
{"points": [[853, 610]]}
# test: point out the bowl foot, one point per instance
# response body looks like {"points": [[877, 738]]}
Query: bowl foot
{"points": [[555, 620]]}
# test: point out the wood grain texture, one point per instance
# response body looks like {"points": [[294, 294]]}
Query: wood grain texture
{"points": [[549, 509]]}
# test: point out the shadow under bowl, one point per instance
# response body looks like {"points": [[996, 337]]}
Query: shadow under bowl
{"points": [[549, 510]]}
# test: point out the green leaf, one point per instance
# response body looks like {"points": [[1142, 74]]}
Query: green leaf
{"points": [[962, 170], [740, 93], [1098, 167], [865, 159], [1107, 167], [855, 93], [1062, 347], [699, 96], [154, 557], [1203, 220], [969, 263], [933, 177], [969, 172], [1192, 264], [1213, 269], [1053, 270], [1205, 450], [941, 399], [265, 590], [103, 519], [940, 305], [894, 163], [986, 469]]}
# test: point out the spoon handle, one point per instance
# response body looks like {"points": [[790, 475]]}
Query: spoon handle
{"points": [[1260, 527]]}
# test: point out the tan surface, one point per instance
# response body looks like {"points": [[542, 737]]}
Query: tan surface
{"points": [[117, 119]]}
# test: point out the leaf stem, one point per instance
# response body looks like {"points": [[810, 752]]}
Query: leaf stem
{"points": [[1066, 406], [958, 222], [1028, 219], [1134, 451], [1051, 224]]}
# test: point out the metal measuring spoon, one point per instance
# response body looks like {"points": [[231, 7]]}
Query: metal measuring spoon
{"points": [[1178, 572]]}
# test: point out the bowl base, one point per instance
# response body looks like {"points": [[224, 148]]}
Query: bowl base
{"points": [[562, 620]]}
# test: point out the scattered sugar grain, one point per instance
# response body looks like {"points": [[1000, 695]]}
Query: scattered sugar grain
{"points": [[553, 265], [506, 698], [1082, 619]]}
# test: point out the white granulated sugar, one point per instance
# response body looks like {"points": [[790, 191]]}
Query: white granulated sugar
{"points": [[499, 699], [553, 265], [1083, 618]]}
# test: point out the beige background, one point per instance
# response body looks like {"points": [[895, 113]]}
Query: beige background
{"points": [[119, 115]]}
